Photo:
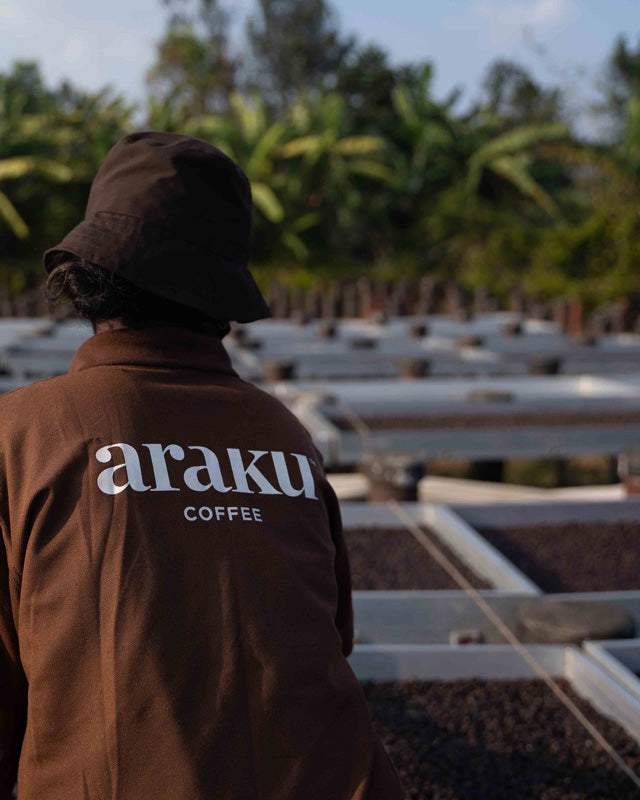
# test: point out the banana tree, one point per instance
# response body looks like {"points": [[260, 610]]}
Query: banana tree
{"points": [[334, 172], [427, 149], [248, 135], [19, 167], [305, 169], [87, 126], [57, 137], [511, 155]]}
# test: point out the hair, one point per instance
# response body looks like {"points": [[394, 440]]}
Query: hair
{"points": [[99, 295]]}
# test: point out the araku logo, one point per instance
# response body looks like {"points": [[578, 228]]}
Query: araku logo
{"points": [[206, 473]]}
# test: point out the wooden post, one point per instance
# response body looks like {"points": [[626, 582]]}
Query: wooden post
{"points": [[480, 300], [426, 291], [575, 325], [365, 297], [349, 300]]}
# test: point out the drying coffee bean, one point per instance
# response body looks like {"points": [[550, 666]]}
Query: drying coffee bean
{"points": [[470, 340], [543, 365], [388, 558], [363, 343], [497, 740], [511, 329], [479, 420], [574, 556], [418, 330], [327, 329], [489, 396], [278, 369]]}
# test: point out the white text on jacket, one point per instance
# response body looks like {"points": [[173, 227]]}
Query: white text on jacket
{"points": [[230, 473]]}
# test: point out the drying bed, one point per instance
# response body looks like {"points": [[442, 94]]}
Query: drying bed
{"points": [[573, 556], [475, 739], [385, 558], [620, 658], [503, 419]]}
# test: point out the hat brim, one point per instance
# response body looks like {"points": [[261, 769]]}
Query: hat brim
{"points": [[153, 258]]}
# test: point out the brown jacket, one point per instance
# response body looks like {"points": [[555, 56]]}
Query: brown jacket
{"points": [[174, 589]]}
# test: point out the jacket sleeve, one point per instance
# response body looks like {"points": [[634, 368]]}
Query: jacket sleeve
{"points": [[344, 615], [13, 687]]}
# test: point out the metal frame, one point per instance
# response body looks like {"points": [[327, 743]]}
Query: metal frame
{"points": [[620, 658]]}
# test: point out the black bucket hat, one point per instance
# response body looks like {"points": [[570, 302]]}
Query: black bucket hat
{"points": [[172, 215]]}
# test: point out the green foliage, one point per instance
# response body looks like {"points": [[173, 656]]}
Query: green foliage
{"points": [[367, 81], [354, 164], [514, 97], [296, 47], [510, 156], [195, 70], [596, 259], [620, 84], [51, 143]]}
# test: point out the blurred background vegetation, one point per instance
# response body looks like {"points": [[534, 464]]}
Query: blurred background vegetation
{"points": [[356, 168]]}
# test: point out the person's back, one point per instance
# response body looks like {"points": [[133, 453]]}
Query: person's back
{"points": [[175, 603], [179, 613]]}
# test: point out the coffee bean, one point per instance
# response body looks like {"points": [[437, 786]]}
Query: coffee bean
{"points": [[497, 740], [389, 558], [477, 419], [573, 556]]}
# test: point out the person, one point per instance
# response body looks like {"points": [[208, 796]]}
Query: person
{"points": [[175, 609]]}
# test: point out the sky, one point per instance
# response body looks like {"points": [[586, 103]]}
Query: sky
{"points": [[100, 42]]}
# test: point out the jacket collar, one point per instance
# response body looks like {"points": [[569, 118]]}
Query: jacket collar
{"points": [[166, 347]]}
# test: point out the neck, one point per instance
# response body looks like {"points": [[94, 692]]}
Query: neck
{"points": [[108, 325], [215, 329]]}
